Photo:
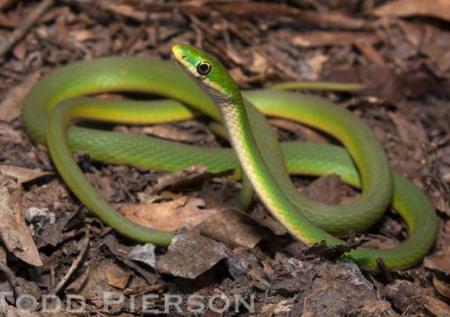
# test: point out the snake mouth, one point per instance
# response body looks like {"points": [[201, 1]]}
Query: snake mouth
{"points": [[178, 53]]}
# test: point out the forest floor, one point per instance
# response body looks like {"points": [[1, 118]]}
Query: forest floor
{"points": [[400, 51]]}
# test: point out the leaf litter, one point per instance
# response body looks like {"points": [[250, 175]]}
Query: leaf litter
{"points": [[401, 57]]}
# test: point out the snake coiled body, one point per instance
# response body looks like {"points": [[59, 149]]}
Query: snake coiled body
{"points": [[55, 101]]}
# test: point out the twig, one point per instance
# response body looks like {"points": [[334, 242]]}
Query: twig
{"points": [[24, 27], [239, 8], [242, 8], [75, 263]]}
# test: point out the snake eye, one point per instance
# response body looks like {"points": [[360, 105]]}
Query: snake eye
{"points": [[204, 68]]}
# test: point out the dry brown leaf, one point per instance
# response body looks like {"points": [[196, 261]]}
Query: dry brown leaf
{"points": [[442, 287], [23, 175], [190, 255], [117, 277], [11, 106], [437, 307], [439, 261], [411, 132], [232, 226], [13, 231], [403, 8], [325, 189], [170, 215], [97, 282], [188, 176], [168, 132]]}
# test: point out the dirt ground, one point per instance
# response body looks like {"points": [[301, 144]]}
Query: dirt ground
{"points": [[58, 259]]}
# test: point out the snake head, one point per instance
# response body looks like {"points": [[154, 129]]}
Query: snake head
{"points": [[207, 71]]}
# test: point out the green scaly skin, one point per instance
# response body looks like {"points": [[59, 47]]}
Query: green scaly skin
{"points": [[48, 111]]}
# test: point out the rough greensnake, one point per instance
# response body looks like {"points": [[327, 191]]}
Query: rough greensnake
{"points": [[202, 86]]}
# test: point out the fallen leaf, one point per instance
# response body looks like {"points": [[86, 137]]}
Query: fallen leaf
{"points": [[439, 261], [325, 189], [98, 281], [189, 176], [341, 290], [144, 253], [429, 40], [442, 287], [262, 217], [11, 106], [437, 307], [189, 255], [117, 277], [9, 135], [13, 231], [403, 294], [23, 175], [183, 212], [168, 132], [232, 226], [121, 252], [411, 132], [404, 8]]}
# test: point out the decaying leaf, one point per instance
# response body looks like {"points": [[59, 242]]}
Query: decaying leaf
{"points": [[193, 174], [23, 175], [442, 287], [117, 277], [11, 105], [102, 278], [437, 307], [170, 215], [13, 231], [232, 226], [190, 255], [325, 189], [144, 253], [439, 262]]}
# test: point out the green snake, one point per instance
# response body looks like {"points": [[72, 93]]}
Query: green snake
{"points": [[202, 86]]}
